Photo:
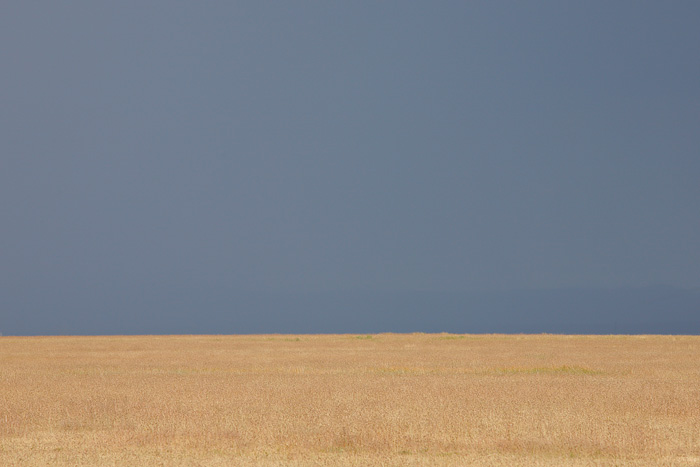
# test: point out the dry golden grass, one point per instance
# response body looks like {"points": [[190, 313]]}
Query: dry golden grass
{"points": [[350, 400]]}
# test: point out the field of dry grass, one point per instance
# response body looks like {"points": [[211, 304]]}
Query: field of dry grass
{"points": [[421, 399]]}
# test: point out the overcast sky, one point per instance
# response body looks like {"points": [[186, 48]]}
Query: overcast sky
{"points": [[320, 146]]}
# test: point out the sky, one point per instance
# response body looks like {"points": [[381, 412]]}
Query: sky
{"points": [[167, 158]]}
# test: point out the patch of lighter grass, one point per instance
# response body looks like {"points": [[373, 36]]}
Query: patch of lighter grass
{"points": [[547, 370]]}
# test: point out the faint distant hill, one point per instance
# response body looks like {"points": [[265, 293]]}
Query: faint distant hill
{"points": [[206, 309]]}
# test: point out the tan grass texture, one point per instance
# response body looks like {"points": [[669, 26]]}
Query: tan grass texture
{"points": [[389, 400]]}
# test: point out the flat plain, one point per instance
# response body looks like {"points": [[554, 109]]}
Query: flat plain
{"points": [[385, 399]]}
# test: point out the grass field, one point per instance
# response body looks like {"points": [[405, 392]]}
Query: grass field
{"points": [[390, 400]]}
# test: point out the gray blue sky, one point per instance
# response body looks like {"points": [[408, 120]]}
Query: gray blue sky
{"points": [[152, 148]]}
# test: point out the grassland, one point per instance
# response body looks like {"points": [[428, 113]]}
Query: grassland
{"points": [[389, 400]]}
